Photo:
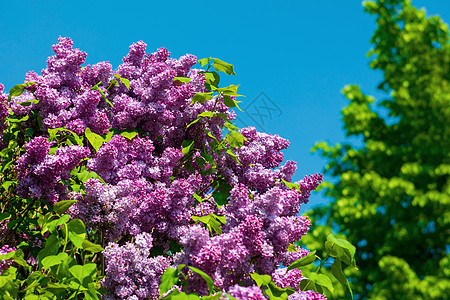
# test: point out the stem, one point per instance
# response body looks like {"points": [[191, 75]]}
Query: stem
{"points": [[20, 222], [322, 262]]}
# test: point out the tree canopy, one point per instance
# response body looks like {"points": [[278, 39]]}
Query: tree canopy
{"points": [[391, 195]]}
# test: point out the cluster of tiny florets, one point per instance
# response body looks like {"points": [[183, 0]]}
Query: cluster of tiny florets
{"points": [[147, 194]]}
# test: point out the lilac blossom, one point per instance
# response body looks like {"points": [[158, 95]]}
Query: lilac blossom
{"points": [[5, 263], [40, 173], [146, 202], [246, 293], [307, 295]]}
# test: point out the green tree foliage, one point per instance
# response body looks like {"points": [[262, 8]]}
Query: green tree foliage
{"points": [[391, 195]]}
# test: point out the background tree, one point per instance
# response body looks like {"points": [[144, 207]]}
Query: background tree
{"points": [[391, 195]]}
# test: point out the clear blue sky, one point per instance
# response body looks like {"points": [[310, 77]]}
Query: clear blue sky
{"points": [[299, 53]]}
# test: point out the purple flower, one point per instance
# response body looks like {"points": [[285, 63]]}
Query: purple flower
{"points": [[246, 293], [307, 295], [5, 263]]}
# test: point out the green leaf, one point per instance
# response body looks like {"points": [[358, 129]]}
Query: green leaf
{"points": [[229, 102], [125, 81], [168, 279], [202, 97], [5, 216], [336, 270], [260, 279], [206, 114], [193, 122], [233, 156], [213, 297], [187, 146], [321, 279], [342, 249], [77, 232], [18, 258], [206, 277], [16, 91], [204, 61], [91, 247], [183, 296], [129, 134], [95, 139], [51, 248], [54, 260], [18, 119], [82, 272], [235, 139], [230, 297], [212, 221], [292, 248], [230, 126], [276, 293], [28, 103], [212, 78], [62, 206], [197, 197], [7, 184], [52, 225], [291, 185], [183, 79], [7, 255], [221, 193], [306, 260], [223, 67]]}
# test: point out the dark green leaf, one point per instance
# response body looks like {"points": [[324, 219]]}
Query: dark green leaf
{"points": [[5, 216], [77, 232], [206, 277], [276, 293], [229, 102], [336, 270], [308, 259], [51, 248], [321, 279]]}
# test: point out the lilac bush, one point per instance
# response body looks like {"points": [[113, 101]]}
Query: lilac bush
{"points": [[147, 157]]}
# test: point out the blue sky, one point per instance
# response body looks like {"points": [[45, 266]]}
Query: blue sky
{"points": [[292, 58]]}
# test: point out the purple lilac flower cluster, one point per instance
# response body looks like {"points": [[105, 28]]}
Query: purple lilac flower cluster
{"points": [[131, 272], [5, 263], [3, 109], [41, 173], [307, 295], [250, 292], [146, 205]]}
